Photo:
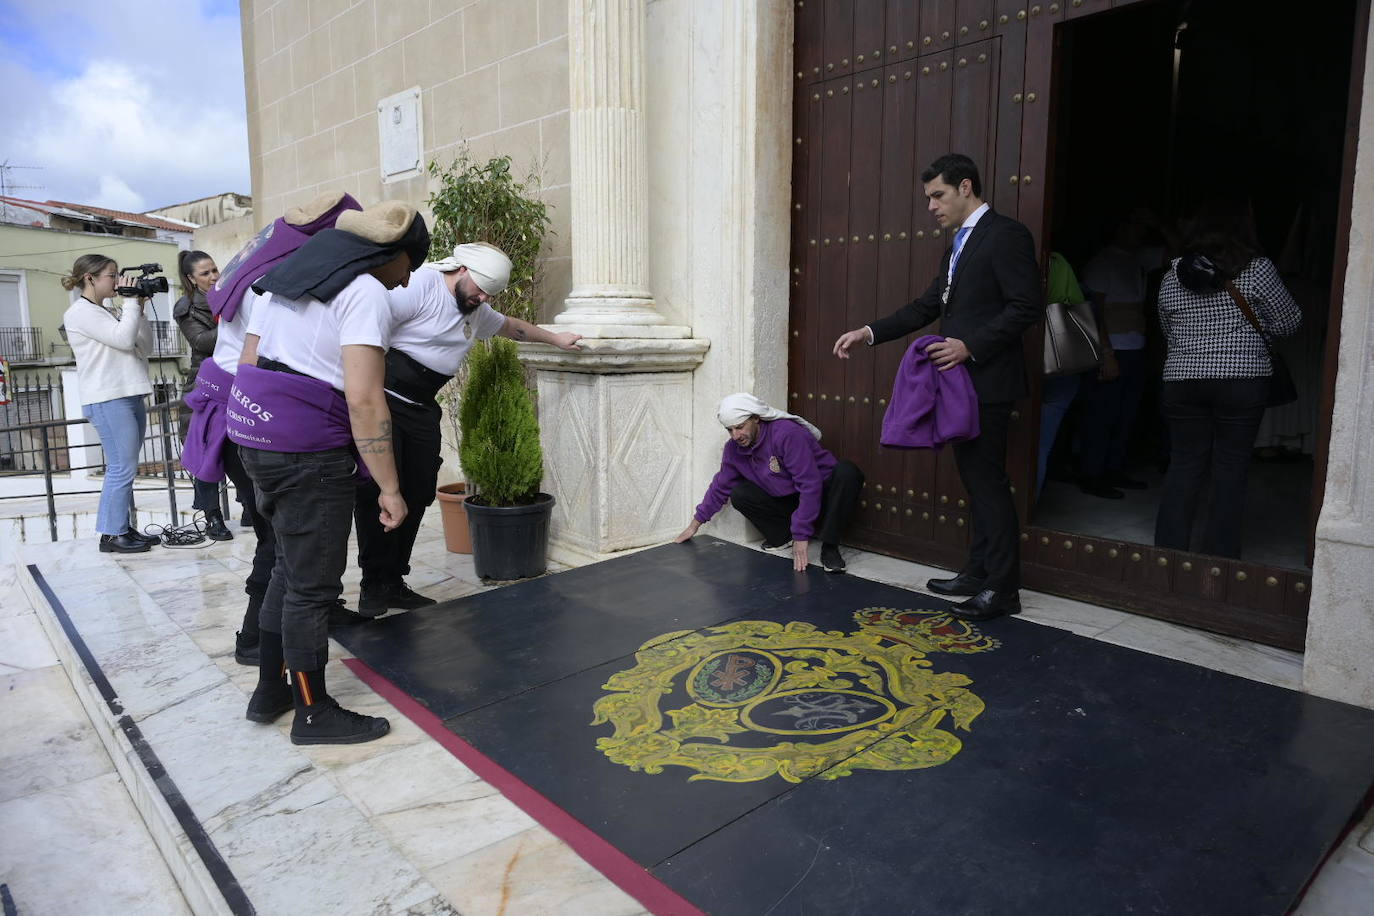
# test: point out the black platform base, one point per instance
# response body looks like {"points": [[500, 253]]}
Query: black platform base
{"points": [[764, 741]]}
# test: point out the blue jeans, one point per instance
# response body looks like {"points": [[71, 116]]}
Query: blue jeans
{"points": [[1056, 397], [120, 423], [307, 497]]}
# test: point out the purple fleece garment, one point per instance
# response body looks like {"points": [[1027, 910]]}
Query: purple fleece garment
{"points": [[787, 459], [267, 249], [284, 412], [929, 408], [203, 453]]}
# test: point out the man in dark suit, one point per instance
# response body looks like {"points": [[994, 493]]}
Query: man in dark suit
{"points": [[987, 293]]}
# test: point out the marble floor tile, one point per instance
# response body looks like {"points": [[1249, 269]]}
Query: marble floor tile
{"points": [[1067, 614], [532, 873], [1209, 650], [85, 850], [339, 865], [201, 600], [23, 644], [405, 778], [1345, 885], [426, 834], [151, 675], [47, 741]]}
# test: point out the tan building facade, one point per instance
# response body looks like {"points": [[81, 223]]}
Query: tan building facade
{"points": [[662, 129]]}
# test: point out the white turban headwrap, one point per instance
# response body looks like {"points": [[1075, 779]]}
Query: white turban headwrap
{"points": [[734, 409], [487, 264]]}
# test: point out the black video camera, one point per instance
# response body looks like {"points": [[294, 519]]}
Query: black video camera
{"points": [[144, 285]]}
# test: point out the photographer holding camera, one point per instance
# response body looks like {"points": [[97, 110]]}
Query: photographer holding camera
{"points": [[111, 346]]}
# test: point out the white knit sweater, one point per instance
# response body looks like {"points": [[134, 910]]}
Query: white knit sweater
{"points": [[111, 352]]}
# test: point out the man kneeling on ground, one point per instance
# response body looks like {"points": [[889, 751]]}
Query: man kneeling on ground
{"points": [[775, 472]]}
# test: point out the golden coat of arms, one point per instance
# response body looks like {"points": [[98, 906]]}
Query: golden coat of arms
{"points": [[754, 699]]}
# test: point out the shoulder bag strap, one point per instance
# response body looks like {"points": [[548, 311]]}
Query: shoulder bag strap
{"points": [[1248, 313]]}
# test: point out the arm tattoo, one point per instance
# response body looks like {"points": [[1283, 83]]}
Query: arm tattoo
{"points": [[520, 333], [379, 444]]}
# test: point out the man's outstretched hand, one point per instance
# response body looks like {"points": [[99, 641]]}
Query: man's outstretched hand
{"points": [[799, 555], [688, 532]]}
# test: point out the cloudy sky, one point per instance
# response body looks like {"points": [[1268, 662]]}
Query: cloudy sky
{"points": [[128, 104]]}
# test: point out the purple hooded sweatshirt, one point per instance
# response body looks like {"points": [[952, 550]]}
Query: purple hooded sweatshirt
{"points": [[929, 408], [787, 459], [268, 248]]}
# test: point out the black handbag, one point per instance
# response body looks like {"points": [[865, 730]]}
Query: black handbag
{"points": [[1282, 389], [1072, 344]]}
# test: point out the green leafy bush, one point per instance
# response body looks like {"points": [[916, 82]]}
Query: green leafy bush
{"points": [[500, 452]]}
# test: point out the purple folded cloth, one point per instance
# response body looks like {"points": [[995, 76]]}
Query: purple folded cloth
{"points": [[203, 453], [929, 408]]}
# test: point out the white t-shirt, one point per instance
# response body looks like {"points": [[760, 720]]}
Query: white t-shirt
{"points": [[427, 326], [309, 335], [229, 340]]}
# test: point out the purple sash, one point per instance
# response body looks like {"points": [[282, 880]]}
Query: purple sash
{"points": [[283, 412], [203, 453], [929, 408]]}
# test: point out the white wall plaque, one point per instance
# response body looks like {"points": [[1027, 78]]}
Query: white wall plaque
{"points": [[400, 135]]}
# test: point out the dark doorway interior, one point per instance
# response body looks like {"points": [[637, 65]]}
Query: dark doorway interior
{"points": [[1255, 108]]}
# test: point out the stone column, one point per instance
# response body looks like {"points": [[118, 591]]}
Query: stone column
{"points": [[610, 295], [612, 415], [1339, 658]]}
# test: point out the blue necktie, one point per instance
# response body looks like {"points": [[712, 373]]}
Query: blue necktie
{"points": [[960, 237]]}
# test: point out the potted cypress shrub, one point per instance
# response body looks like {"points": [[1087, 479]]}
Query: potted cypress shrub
{"points": [[501, 457]]}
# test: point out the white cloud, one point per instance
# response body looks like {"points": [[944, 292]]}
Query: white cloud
{"points": [[150, 114]]}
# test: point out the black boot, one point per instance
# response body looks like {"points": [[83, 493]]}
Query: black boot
{"points": [[272, 697], [246, 640], [831, 559], [321, 720], [214, 526]]}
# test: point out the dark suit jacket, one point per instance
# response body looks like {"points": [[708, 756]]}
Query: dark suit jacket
{"points": [[995, 296]]}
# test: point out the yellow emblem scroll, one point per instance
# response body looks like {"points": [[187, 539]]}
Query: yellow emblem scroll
{"points": [[754, 699]]}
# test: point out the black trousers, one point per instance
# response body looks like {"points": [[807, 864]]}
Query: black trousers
{"points": [[307, 498], [384, 556], [772, 515], [265, 553], [995, 553], [1212, 427]]}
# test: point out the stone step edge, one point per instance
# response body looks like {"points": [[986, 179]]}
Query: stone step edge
{"points": [[193, 878]]}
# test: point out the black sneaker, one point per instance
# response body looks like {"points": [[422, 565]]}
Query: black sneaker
{"points": [[831, 558], [246, 650], [330, 723], [341, 616], [270, 702], [376, 600], [779, 545], [127, 542]]}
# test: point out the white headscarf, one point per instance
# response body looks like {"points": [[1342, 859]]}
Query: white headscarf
{"points": [[487, 264], [734, 409]]}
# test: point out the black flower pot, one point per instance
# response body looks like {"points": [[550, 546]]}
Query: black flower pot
{"points": [[509, 542]]}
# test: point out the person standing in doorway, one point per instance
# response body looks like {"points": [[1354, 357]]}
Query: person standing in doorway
{"points": [[111, 346], [1217, 375], [987, 294]]}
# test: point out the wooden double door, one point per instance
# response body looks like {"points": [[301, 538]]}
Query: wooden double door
{"points": [[882, 88]]}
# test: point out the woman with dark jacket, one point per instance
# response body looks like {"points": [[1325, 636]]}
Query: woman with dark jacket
{"points": [[192, 313], [1216, 375]]}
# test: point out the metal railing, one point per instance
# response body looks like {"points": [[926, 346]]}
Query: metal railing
{"points": [[21, 345], [167, 339]]}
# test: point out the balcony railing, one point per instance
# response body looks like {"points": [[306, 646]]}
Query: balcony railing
{"points": [[21, 345], [167, 340]]}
